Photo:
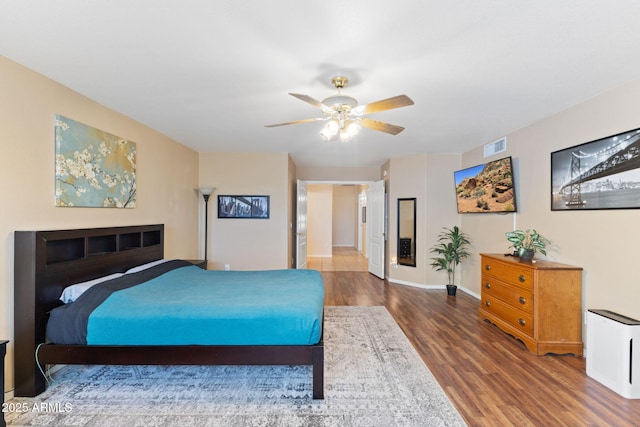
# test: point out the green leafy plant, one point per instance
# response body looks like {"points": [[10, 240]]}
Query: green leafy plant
{"points": [[451, 249], [522, 241]]}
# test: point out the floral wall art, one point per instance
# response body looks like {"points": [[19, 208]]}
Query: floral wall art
{"points": [[93, 167]]}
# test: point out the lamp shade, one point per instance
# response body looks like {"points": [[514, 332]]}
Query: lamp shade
{"points": [[205, 191]]}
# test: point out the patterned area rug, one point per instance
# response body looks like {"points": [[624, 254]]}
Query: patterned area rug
{"points": [[373, 377]]}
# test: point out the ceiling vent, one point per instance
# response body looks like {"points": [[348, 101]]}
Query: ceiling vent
{"points": [[495, 147]]}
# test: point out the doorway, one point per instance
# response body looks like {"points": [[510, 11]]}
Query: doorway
{"points": [[336, 226]]}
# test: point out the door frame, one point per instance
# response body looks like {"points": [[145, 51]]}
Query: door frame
{"points": [[301, 222], [377, 229]]}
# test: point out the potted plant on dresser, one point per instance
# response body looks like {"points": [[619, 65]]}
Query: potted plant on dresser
{"points": [[527, 243], [450, 250]]}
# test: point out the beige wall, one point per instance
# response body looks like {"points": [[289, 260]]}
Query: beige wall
{"points": [[338, 174], [319, 220], [603, 242], [440, 209], [248, 244], [167, 172], [428, 178], [345, 216]]}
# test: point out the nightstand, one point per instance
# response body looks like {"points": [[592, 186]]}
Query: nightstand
{"points": [[199, 262], [3, 352]]}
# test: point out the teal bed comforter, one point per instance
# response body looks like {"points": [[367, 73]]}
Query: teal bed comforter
{"points": [[191, 306]]}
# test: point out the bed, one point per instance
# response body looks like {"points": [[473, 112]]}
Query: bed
{"points": [[48, 262]]}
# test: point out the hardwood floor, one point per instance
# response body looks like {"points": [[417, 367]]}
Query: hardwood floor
{"points": [[489, 376], [343, 259]]}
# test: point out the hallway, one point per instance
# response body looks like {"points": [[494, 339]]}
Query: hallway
{"points": [[343, 259]]}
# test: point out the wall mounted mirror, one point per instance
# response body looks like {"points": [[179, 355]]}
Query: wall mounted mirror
{"points": [[407, 232]]}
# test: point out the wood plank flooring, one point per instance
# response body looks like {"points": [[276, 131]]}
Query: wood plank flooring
{"points": [[343, 258], [490, 377]]}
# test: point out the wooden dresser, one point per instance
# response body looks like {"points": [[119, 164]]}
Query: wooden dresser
{"points": [[539, 303]]}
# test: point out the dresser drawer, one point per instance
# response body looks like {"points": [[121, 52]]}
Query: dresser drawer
{"points": [[512, 295], [510, 273], [518, 319]]}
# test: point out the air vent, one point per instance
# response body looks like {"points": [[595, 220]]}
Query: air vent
{"points": [[495, 147]]}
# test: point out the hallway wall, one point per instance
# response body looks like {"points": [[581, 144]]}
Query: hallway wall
{"points": [[345, 215], [319, 220]]}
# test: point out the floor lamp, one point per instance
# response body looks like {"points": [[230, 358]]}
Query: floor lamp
{"points": [[206, 192]]}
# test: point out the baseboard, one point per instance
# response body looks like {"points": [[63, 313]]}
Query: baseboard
{"points": [[432, 287], [469, 292]]}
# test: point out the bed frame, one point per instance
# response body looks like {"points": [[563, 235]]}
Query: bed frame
{"points": [[48, 261]]}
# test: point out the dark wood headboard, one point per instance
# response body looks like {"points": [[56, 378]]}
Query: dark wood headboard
{"points": [[45, 262]]}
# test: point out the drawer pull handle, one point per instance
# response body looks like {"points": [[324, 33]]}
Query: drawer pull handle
{"points": [[487, 285], [487, 303], [487, 267], [522, 322], [521, 278], [522, 300]]}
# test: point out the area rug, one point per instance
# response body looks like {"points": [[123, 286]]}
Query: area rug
{"points": [[373, 377]]}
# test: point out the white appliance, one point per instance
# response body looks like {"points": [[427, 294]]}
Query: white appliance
{"points": [[613, 351]]}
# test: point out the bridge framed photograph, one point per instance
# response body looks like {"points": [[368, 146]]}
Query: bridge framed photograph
{"points": [[243, 207], [600, 174]]}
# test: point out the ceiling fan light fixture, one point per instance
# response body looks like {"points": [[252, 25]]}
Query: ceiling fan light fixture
{"points": [[343, 115], [339, 82], [330, 130], [345, 135], [340, 101], [353, 128], [348, 131]]}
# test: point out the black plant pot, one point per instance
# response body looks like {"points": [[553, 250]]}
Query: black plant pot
{"points": [[451, 290], [527, 255]]}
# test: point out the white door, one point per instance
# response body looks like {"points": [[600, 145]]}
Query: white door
{"points": [[301, 226], [375, 228]]}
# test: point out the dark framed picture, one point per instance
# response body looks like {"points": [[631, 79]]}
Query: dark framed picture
{"points": [[601, 174], [243, 207]]}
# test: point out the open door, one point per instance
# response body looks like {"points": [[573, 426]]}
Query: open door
{"points": [[301, 226], [375, 228]]}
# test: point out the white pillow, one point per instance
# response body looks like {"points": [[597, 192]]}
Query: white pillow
{"points": [[145, 266], [73, 292]]}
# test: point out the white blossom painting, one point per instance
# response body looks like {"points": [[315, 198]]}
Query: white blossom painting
{"points": [[93, 168]]}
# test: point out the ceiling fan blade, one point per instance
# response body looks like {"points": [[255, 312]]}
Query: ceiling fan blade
{"points": [[380, 126], [310, 100], [295, 122], [385, 104]]}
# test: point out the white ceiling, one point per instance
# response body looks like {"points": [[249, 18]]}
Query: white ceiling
{"points": [[211, 74]]}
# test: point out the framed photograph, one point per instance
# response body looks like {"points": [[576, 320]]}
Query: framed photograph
{"points": [[243, 207], [601, 174]]}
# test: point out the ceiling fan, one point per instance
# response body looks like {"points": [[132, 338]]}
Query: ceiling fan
{"points": [[345, 117]]}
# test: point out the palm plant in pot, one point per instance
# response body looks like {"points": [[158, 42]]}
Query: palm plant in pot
{"points": [[527, 243], [450, 249]]}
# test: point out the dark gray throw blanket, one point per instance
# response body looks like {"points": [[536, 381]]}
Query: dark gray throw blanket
{"points": [[68, 323]]}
